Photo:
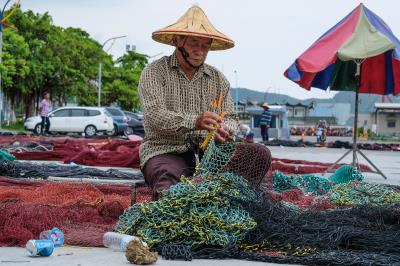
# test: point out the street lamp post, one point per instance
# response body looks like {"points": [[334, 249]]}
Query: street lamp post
{"points": [[100, 67], [2, 20]]}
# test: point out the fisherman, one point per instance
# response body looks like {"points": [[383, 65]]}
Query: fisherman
{"points": [[183, 99], [265, 121]]}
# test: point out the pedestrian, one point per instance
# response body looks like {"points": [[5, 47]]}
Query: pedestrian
{"points": [[265, 121], [183, 99], [44, 109]]}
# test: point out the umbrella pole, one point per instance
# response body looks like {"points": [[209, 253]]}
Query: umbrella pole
{"points": [[354, 148], [355, 133]]}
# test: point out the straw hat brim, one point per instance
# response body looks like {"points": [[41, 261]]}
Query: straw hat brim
{"points": [[194, 23], [218, 43]]}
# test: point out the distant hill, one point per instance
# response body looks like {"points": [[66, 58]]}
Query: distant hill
{"points": [[366, 100]]}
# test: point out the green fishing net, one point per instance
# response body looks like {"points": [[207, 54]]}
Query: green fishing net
{"points": [[307, 183], [360, 193], [6, 156], [345, 174], [314, 184], [198, 212]]}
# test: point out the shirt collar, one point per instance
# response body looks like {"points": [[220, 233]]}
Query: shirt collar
{"points": [[174, 63]]}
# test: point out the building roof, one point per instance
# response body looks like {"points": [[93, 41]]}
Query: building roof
{"points": [[387, 105], [256, 110], [298, 104]]}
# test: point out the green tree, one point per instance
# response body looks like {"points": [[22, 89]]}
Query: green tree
{"points": [[42, 57], [121, 83]]}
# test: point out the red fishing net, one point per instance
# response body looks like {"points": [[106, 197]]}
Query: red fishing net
{"points": [[298, 198], [289, 166], [94, 152], [83, 211]]}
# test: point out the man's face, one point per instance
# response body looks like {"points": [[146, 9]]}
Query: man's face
{"points": [[196, 47]]}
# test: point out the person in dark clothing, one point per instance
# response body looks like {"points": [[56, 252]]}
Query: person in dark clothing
{"points": [[265, 121]]}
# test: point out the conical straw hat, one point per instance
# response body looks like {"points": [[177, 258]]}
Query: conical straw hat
{"points": [[194, 23], [265, 104]]}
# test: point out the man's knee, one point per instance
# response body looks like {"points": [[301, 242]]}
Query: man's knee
{"points": [[163, 171]]}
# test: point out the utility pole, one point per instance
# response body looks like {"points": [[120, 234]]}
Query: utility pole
{"points": [[100, 68]]}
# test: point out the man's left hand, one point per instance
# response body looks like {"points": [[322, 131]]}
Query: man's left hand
{"points": [[222, 134]]}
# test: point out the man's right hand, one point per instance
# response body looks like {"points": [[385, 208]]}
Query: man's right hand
{"points": [[207, 121]]}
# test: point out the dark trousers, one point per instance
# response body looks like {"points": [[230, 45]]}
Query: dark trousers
{"points": [[251, 161], [45, 124], [165, 170], [264, 132]]}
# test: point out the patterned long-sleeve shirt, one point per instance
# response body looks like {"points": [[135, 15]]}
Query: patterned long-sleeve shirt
{"points": [[171, 104]]}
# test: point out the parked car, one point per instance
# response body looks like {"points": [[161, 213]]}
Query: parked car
{"points": [[135, 123], [88, 120], [119, 118], [138, 116]]}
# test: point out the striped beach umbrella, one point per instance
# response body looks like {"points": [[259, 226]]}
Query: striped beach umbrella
{"points": [[359, 54]]}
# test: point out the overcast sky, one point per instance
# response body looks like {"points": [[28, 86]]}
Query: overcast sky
{"points": [[269, 34]]}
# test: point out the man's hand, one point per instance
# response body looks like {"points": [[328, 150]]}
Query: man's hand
{"points": [[208, 121], [222, 134]]}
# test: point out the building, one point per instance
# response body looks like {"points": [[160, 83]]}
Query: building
{"points": [[341, 112], [241, 111], [306, 115], [386, 119], [279, 121]]}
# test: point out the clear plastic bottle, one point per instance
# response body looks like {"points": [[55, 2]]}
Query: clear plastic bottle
{"points": [[117, 241], [55, 235]]}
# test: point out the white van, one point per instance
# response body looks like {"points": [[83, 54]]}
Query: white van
{"points": [[88, 120]]}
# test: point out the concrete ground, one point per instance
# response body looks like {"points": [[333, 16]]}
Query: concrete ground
{"points": [[74, 256], [388, 162]]}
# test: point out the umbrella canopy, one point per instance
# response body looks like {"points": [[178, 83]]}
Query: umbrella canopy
{"points": [[330, 61]]}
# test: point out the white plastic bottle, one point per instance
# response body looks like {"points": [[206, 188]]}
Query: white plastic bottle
{"points": [[117, 241]]}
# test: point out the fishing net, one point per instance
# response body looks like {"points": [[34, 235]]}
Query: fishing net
{"points": [[359, 193], [34, 170], [336, 144], [289, 166], [95, 152], [248, 160], [365, 228], [301, 224], [307, 183], [193, 214], [301, 200], [315, 184], [6, 156], [83, 211], [345, 174], [26, 146]]}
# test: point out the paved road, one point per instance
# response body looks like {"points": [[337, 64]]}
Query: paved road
{"points": [[75, 256], [387, 161]]}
